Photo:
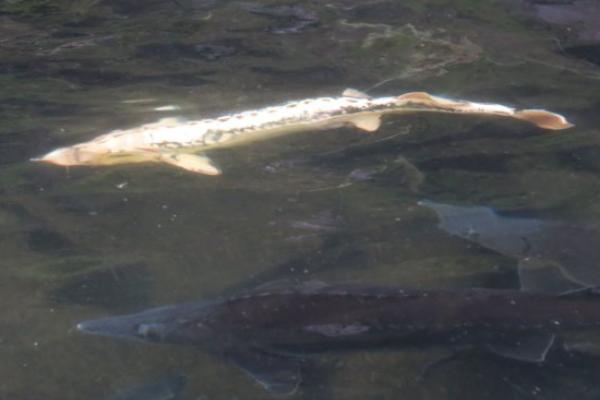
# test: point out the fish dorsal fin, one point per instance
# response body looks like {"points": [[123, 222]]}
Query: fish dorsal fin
{"points": [[418, 96], [278, 374], [545, 277], [531, 347], [355, 93], [367, 122]]}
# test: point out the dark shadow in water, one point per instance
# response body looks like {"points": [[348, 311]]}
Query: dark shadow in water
{"points": [[107, 78], [68, 34], [292, 19], [87, 204], [87, 74], [39, 107], [401, 146], [90, 21], [504, 278], [584, 159], [118, 287], [562, 376], [317, 379], [206, 51], [382, 13], [589, 53], [312, 75], [496, 163], [169, 387], [134, 7], [49, 242], [338, 250]]}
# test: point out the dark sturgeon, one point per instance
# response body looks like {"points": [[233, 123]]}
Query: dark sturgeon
{"points": [[269, 332]]}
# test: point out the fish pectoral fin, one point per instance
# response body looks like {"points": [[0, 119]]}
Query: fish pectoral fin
{"points": [[191, 162], [367, 122], [530, 347], [276, 373], [536, 275]]}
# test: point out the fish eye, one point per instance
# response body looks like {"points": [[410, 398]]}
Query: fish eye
{"points": [[151, 331]]}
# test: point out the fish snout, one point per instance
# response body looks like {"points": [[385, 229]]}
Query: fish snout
{"points": [[82, 327], [62, 156], [109, 326], [81, 154], [92, 326]]}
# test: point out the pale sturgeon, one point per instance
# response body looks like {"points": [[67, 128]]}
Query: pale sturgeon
{"points": [[175, 141]]}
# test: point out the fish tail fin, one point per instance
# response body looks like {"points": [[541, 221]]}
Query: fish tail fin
{"points": [[544, 119], [426, 102]]}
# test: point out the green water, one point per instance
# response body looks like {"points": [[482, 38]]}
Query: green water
{"points": [[336, 205]]}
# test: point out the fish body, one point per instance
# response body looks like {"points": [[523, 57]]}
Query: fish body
{"points": [[268, 332], [175, 142]]}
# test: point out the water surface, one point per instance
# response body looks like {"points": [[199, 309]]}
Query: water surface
{"points": [[336, 205]]}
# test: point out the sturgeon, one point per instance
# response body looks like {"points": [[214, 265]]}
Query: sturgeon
{"points": [[178, 142], [269, 332]]}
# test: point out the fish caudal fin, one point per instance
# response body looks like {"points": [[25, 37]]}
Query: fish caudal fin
{"points": [[421, 101], [191, 162], [544, 119]]}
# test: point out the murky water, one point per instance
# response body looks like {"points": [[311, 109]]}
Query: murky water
{"points": [[336, 205]]}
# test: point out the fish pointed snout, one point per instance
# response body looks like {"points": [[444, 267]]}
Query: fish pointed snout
{"points": [[82, 327], [92, 326], [110, 326], [61, 156]]}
